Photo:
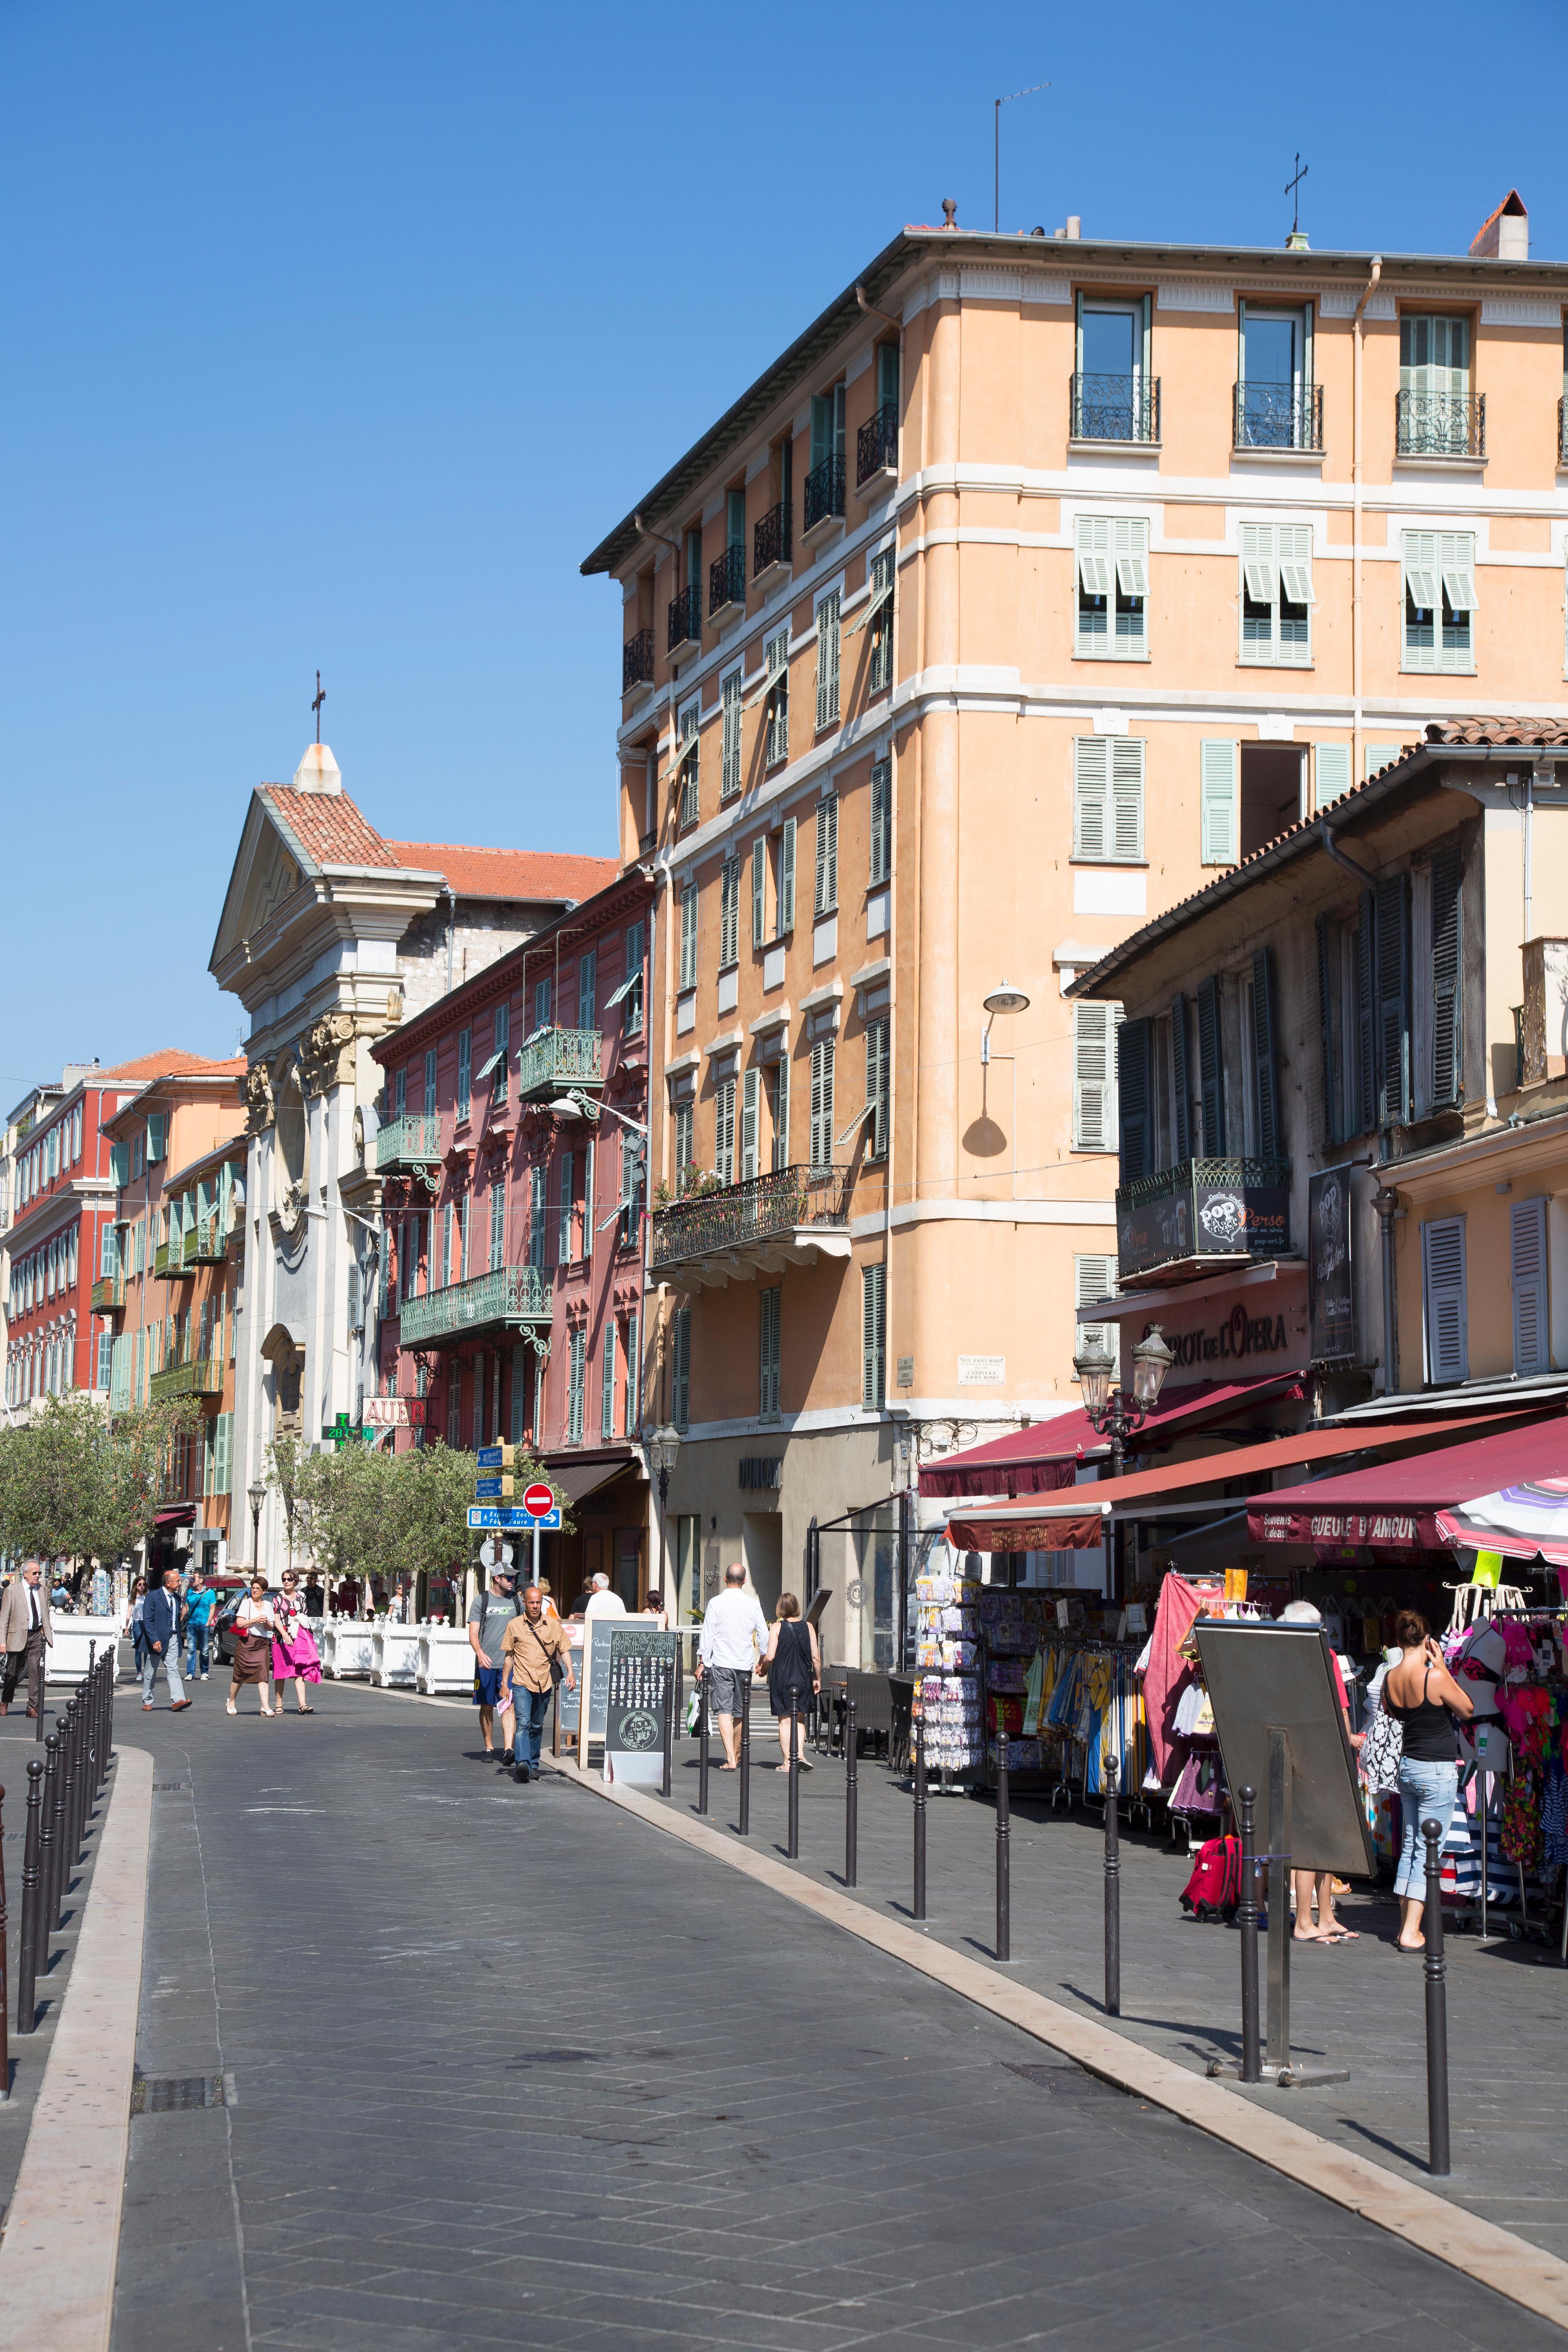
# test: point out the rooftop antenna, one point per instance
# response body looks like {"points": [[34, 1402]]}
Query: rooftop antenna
{"points": [[1293, 190], [1033, 90]]}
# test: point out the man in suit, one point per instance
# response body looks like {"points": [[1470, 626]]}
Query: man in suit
{"points": [[161, 1632], [26, 1631]]}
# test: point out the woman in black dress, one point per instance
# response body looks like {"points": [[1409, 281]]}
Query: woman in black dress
{"points": [[793, 1669]]}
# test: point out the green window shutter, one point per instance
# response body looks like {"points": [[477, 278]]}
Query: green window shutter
{"points": [[1180, 1082], [1444, 1300], [729, 770], [120, 1163], [1527, 1240], [749, 1124], [876, 1034], [1448, 978], [781, 1112], [157, 1136], [1091, 797], [759, 890], [1393, 998], [1265, 1060], [822, 1103], [873, 1337], [881, 820], [770, 1304], [1094, 1113], [1126, 798], [827, 661], [1326, 945], [608, 1383], [1377, 756], [785, 909], [1211, 1076], [1219, 794], [1333, 777], [680, 1367], [1094, 1278], [729, 912], [688, 936], [1132, 1057], [724, 1132], [1096, 582], [826, 896], [1422, 594]]}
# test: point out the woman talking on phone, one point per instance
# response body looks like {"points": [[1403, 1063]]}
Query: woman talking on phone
{"points": [[1423, 1697]]}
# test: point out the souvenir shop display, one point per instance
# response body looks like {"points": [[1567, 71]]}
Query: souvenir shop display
{"points": [[1513, 1775], [948, 1674], [1062, 1699]]}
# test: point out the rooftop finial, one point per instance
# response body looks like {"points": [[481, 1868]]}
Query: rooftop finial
{"points": [[949, 212]]}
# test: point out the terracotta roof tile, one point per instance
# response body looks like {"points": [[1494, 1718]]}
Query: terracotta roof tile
{"points": [[1525, 732], [171, 1063], [509, 873], [327, 827]]}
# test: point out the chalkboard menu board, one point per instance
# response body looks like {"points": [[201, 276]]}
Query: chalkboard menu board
{"points": [[640, 1670], [569, 1703]]}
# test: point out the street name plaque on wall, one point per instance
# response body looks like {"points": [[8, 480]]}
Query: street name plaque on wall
{"points": [[640, 1668]]}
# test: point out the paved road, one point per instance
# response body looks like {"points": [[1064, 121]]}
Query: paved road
{"points": [[511, 2068]]}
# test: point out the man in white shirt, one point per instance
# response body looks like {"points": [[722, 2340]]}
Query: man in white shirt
{"points": [[603, 1602], [733, 1632]]}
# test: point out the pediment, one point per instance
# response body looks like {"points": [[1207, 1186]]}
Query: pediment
{"points": [[267, 874]]}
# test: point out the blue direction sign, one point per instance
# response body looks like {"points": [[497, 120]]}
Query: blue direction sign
{"points": [[493, 1490], [493, 1457], [509, 1514]]}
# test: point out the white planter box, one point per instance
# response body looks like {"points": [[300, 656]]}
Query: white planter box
{"points": [[348, 1648], [69, 1654], [397, 1656], [445, 1659]]}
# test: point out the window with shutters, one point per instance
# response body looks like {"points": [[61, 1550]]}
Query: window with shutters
{"points": [[577, 1353], [1094, 1111], [880, 622], [1527, 1273], [564, 1208], [1277, 593], [536, 1223], [724, 1131], [778, 1106], [730, 765], [1439, 576], [632, 986], [1332, 775], [455, 1403], [500, 1056], [586, 1216], [682, 1123], [873, 1337], [1436, 416], [1211, 1069], [1094, 1278], [1111, 557], [876, 1034], [1390, 933], [1108, 800], [776, 728], [828, 662], [688, 765], [1134, 1041], [498, 1224], [729, 913], [430, 1076], [588, 990], [633, 1171], [760, 891], [1446, 1313], [770, 1306], [1219, 801], [784, 910], [826, 896], [688, 936], [680, 1367], [822, 1054], [465, 1072], [881, 822], [543, 996], [751, 1121], [1267, 1140], [631, 1417], [607, 1382]]}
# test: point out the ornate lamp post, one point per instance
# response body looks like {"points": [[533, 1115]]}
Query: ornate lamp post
{"points": [[1112, 1412], [257, 1497], [663, 1446]]}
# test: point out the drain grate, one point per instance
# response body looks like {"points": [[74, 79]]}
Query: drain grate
{"points": [[167, 1784], [163, 2094]]}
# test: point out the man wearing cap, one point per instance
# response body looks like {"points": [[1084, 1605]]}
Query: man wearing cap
{"points": [[489, 1618]]}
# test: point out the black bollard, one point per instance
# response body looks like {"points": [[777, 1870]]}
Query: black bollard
{"points": [[1003, 1855], [745, 1755], [1436, 1971], [794, 1775], [4, 1979], [27, 1956], [1112, 1893], [49, 1882], [851, 1799], [71, 1843], [1247, 1920], [668, 1789], [83, 1766], [703, 1746], [920, 1904]]}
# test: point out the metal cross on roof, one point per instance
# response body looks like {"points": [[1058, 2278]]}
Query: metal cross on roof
{"points": [[315, 705], [1293, 189]]}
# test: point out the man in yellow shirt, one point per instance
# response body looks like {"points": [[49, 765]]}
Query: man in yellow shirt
{"points": [[532, 1645]]}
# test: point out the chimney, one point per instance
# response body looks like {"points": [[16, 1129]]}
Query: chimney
{"points": [[1074, 224], [318, 771], [1505, 236]]}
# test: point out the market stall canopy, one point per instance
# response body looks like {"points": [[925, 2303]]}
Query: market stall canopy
{"points": [[1078, 1525], [1039, 1460], [1398, 1506], [579, 1479]]}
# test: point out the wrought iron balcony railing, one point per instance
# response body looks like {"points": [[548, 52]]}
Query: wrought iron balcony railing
{"points": [[1441, 424], [727, 579], [107, 1293], [554, 1058], [684, 619], [637, 661], [1203, 1209], [824, 491], [169, 1261], [198, 1376], [1115, 408], [1279, 416], [207, 1241], [408, 1144], [507, 1296], [877, 443], [770, 1207], [770, 541]]}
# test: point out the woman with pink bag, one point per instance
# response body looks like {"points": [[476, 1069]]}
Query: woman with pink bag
{"points": [[295, 1657]]}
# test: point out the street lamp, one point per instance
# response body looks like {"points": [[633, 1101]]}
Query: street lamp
{"points": [[663, 1446], [1112, 1412], [257, 1497], [1004, 999]]}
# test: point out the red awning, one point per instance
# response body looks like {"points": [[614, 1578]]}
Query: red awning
{"points": [[1080, 1523], [1394, 1506], [1039, 1460], [177, 1515]]}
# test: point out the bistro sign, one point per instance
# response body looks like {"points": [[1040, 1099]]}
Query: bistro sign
{"points": [[1240, 1333]]}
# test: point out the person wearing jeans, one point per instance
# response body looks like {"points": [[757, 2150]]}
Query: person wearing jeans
{"points": [[1422, 1696], [160, 1631], [198, 1617], [530, 1644]]}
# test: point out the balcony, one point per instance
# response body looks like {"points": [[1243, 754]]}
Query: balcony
{"points": [[409, 1146], [771, 549], [727, 586], [207, 1244], [637, 662], [108, 1294], [876, 450], [792, 1216], [824, 497], [1279, 417], [200, 1376], [168, 1260], [552, 1059], [1441, 424], [506, 1298], [684, 639], [1115, 408], [1201, 1216]]}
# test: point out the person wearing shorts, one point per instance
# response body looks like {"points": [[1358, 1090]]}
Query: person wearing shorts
{"points": [[491, 1614], [734, 1632]]}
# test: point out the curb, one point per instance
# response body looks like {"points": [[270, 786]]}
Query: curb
{"points": [[1491, 2257], [61, 2244]]}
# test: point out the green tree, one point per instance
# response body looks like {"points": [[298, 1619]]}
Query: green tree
{"points": [[75, 1486]]}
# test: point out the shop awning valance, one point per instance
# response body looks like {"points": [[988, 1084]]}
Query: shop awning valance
{"points": [[1400, 1507], [1040, 1459]]}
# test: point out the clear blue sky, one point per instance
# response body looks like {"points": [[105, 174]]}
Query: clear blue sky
{"points": [[339, 335]]}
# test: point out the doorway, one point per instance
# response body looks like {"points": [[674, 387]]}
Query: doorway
{"points": [[763, 1541], [1271, 792]]}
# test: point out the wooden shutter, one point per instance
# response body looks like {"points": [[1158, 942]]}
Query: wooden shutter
{"points": [[1180, 1082], [1132, 1051], [1094, 1119], [1096, 577], [730, 769], [120, 1163], [827, 661], [1424, 589], [1127, 797], [587, 997], [1457, 569], [729, 912], [1393, 895], [881, 816], [1334, 778], [873, 1336], [157, 1136], [607, 1382], [822, 1103], [1448, 978], [634, 1378], [1218, 797], [680, 1367], [827, 897], [1527, 1239], [1271, 1140], [1327, 948], [781, 1112], [1366, 1014], [1094, 1278], [769, 1305], [688, 936], [784, 913], [1091, 796], [749, 1124], [876, 1089], [223, 1466], [759, 890], [1447, 1326], [1211, 1076]]}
